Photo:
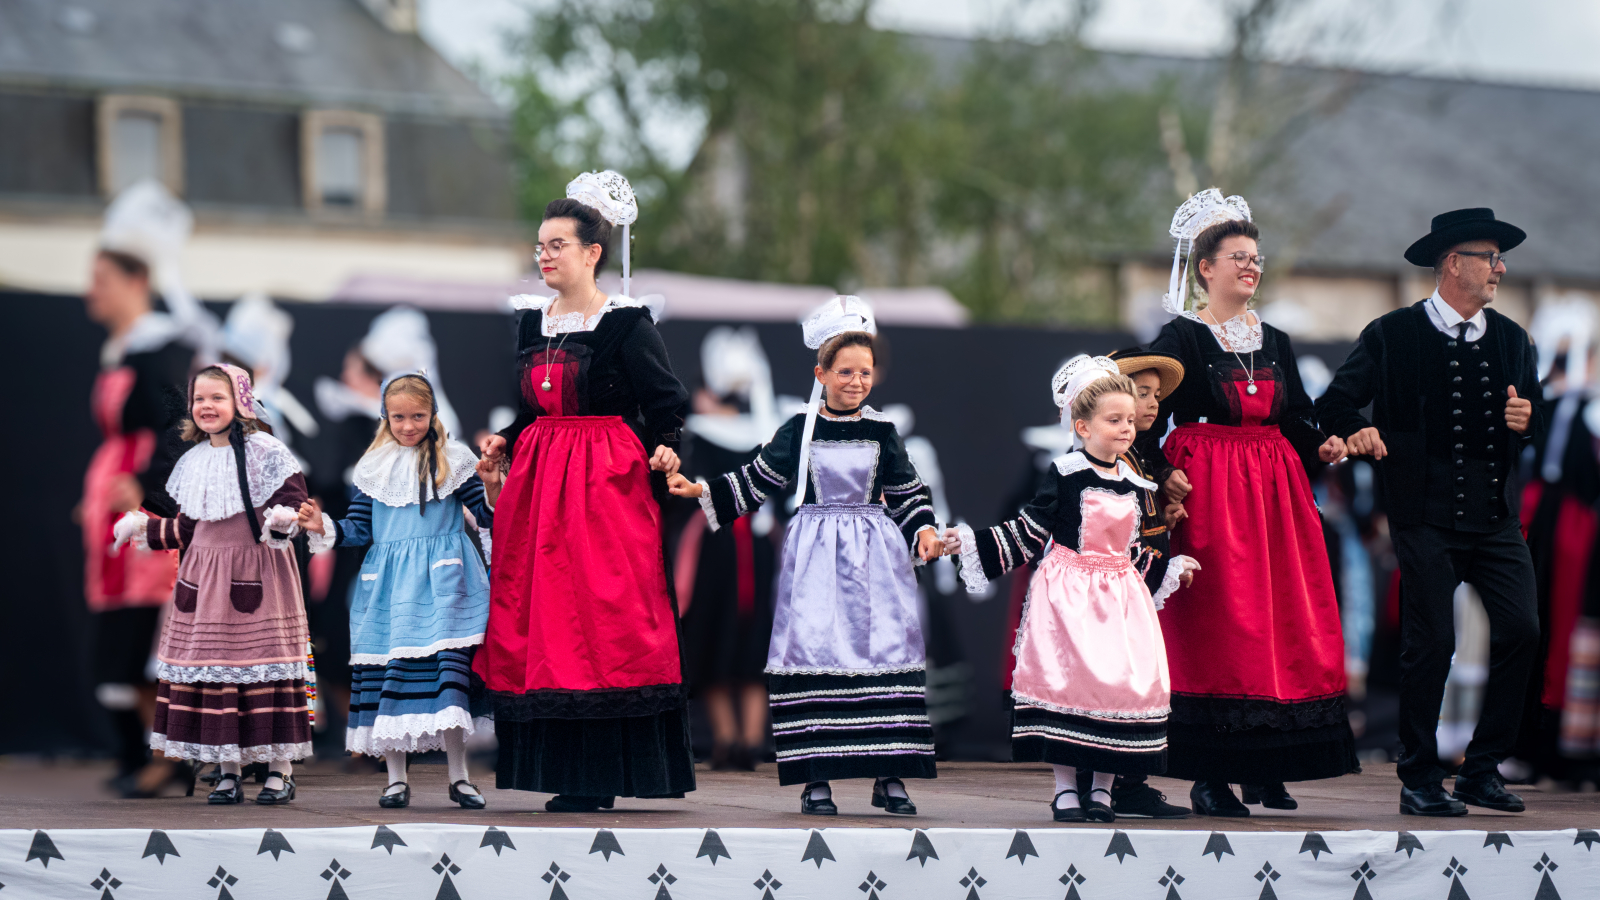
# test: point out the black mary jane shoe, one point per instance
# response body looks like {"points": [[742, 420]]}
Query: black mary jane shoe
{"points": [[1430, 800], [398, 800], [568, 803], [823, 807], [1070, 814], [1271, 796], [275, 796], [1215, 798], [1488, 792], [1095, 811], [225, 796], [900, 806], [473, 800]]}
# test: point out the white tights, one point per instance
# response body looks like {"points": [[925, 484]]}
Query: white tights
{"points": [[231, 770], [1067, 780], [455, 752]]}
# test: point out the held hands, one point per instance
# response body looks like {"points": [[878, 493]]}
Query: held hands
{"points": [[929, 545], [679, 486], [1519, 411], [1332, 450], [311, 517], [280, 519], [493, 448], [952, 542], [1177, 486], [665, 460], [1367, 442], [1174, 514], [125, 529]]}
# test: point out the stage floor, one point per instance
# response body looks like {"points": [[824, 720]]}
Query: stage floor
{"points": [[965, 795]]}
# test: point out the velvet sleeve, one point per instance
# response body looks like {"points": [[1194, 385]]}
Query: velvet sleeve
{"points": [[663, 401], [472, 496], [1528, 389], [171, 533], [743, 491], [290, 495], [1353, 387], [156, 404], [909, 499], [355, 529], [1019, 540]]}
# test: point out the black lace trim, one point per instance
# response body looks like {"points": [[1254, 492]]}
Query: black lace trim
{"points": [[1244, 713], [611, 703]]}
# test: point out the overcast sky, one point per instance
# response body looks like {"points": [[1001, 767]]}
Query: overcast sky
{"points": [[1551, 42]]}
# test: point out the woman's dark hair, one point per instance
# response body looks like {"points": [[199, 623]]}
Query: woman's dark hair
{"points": [[592, 227], [1205, 246], [831, 347], [130, 265]]}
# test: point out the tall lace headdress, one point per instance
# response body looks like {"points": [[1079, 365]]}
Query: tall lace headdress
{"points": [[837, 316], [1203, 210], [611, 194], [147, 222]]}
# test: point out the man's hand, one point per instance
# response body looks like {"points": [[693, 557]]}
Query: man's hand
{"points": [[1332, 450], [665, 460], [1367, 442], [1177, 486], [1519, 412], [1174, 514]]}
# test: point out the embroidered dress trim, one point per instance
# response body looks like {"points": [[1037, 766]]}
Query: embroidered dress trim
{"points": [[1152, 715], [229, 752], [389, 474], [708, 507], [413, 733], [971, 566], [1051, 732], [178, 674], [847, 692], [877, 451], [834, 670], [205, 481], [383, 659], [855, 750]]}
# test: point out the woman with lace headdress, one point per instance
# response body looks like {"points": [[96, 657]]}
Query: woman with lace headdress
{"points": [[581, 654], [1256, 653]]}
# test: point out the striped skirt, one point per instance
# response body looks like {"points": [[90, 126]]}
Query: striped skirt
{"points": [[409, 703], [243, 723], [851, 726]]}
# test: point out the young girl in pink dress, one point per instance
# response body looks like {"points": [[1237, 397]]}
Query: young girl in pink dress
{"points": [[1090, 685]]}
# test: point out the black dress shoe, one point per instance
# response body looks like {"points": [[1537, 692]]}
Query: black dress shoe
{"points": [[1488, 792], [574, 803], [1272, 796], [398, 800], [1215, 798], [1096, 811], [223, 796], [274, 796], [812, 807], [1070, 814], [900, 806], [1145, 802], [1429, 800], [473, 800]]}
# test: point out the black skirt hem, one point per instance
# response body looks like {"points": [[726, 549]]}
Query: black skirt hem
{"points": [[633, 756], [1242, 713], [1260, 755], [907, 765], [611, 703], [1098, 759]]}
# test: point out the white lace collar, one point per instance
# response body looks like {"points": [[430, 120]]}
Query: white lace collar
{"points": [[205, 482], [1076, 461], [389, 473], [865, 412], [571, 322], [1238, 334]]}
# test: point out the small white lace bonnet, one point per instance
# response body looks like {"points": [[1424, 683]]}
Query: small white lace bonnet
{"points": [[1078, 373]]}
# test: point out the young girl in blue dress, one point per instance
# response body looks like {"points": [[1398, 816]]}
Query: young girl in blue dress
{"points": [[422, 600]]}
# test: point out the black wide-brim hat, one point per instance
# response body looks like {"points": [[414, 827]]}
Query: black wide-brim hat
{"points": [[1458, 227], [1135, 359]]}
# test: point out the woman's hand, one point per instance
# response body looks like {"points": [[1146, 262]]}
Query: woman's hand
{"points": [[679, 486], [665, 460], [929, 545], [126, 527], [493, 447], [952, 542], [489, 471], [1177, 486], [1190, 566], [1174, 513], [1332, 449], [1366, 442], [311, 517], [125, 494]]}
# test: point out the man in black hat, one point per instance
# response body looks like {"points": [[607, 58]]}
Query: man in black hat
{"points": [[1449, 381]]}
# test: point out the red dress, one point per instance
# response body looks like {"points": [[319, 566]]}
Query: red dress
{"points": [[1254, 645], [580, 657]]}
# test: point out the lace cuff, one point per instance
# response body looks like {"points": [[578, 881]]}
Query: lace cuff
{"points": [[1170, 582], [707, 506], [327, 540], [971, 566], [137, 529], [270, 530]]}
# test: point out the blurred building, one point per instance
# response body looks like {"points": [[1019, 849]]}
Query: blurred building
{"points": [[318, 142]]}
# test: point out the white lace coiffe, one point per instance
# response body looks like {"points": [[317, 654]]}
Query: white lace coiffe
{"points": [[205, 482], [389, 473]]}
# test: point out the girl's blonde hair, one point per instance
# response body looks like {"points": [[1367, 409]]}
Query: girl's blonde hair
{"points": [[433, 446], [192, 433], [1088, 399]]}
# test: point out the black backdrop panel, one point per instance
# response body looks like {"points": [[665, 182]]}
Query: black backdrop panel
{"points": [[972, 390]]}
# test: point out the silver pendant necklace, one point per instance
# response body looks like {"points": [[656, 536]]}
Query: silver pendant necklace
{"points": [[1250, 372], [549, 359]]}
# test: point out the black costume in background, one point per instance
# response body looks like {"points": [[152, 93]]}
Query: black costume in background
{"points": [[1439, 404]]}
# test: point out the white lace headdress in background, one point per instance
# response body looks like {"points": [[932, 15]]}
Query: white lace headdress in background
{"points": [[398, 343], [147, 222], [837, 316], [612, 195], [1203, 210]]}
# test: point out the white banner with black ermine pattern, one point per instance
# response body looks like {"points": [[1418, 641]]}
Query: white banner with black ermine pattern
{"points": [[461, 862]]}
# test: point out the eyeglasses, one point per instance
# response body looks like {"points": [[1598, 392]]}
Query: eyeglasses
{"points": [[1243, 259], [554, 248], [846, 375], [1494, 257]]}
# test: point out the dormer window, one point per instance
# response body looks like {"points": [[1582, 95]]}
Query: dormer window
{"points": [[139, 138], [342, 161]]}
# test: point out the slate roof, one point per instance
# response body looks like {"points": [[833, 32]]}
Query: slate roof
{"points": [[321, 52]]}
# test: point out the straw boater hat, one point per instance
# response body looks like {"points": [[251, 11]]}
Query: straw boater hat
{"points": [[1135, 359]]}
